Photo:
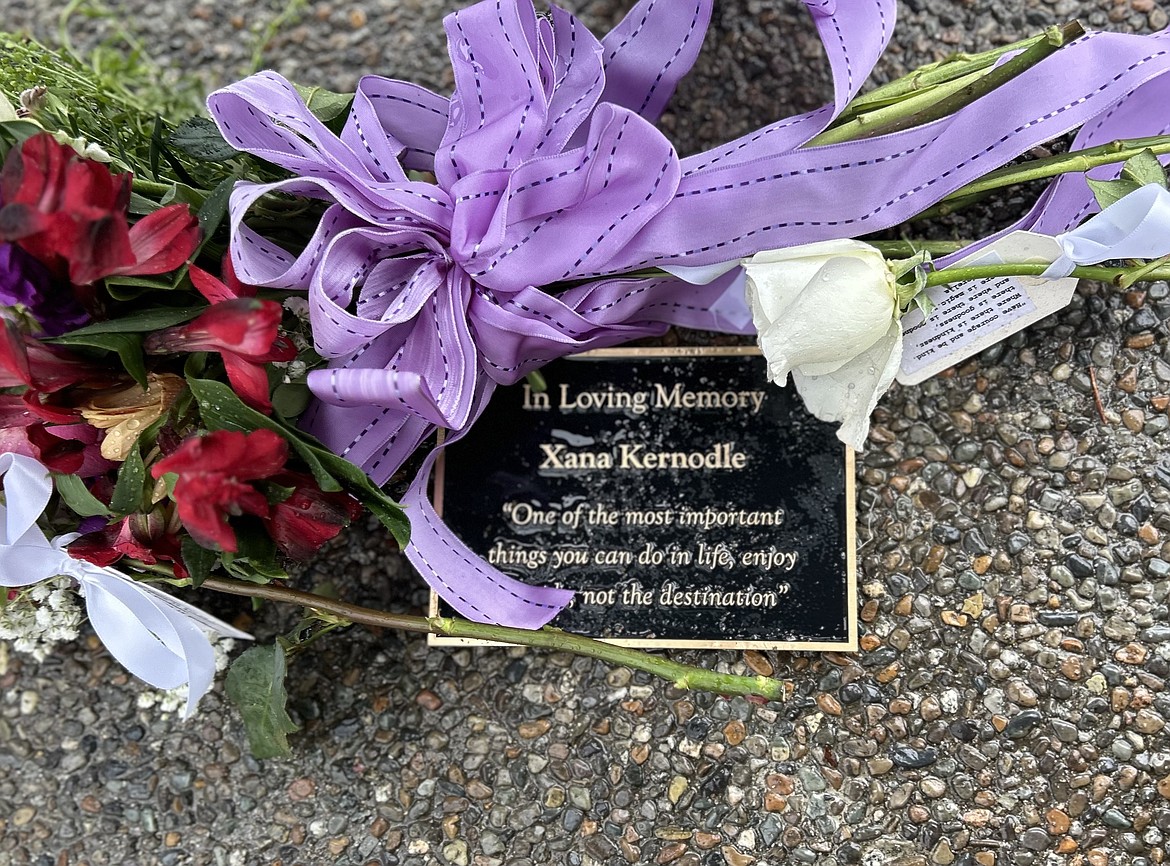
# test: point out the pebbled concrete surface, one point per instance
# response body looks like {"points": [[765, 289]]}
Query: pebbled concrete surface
{"points": [[1010, 707]]}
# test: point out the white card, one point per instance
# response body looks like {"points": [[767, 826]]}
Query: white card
{"points": [[974, 314]]}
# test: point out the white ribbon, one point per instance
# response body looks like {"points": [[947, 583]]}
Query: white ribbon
{"points": [[1136, 226], [155, 636]]}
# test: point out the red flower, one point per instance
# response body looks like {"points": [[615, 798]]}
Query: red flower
{"points": [[70, 213], [246, 334], [216, 290], [213, 471], [309, 517], [138, 536], [29, 362]]}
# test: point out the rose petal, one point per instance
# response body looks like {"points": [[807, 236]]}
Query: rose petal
{"points": [[849, 394]]}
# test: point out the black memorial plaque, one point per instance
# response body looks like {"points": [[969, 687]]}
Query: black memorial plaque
{"points": [[686, 500]]}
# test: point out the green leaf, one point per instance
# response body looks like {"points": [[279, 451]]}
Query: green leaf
{"points": [[1109, 191], [1144, 169], [127, 346], [221, 409], [77, 496], [126, 287], [255, 557], [290, 399], [214, 208], [199, 138], [148, 320], [536, 381], [155, 142], [392, 517], [198, 559], [140, 205], [325, 104], [127, 496], [924, 303], [255, 684], [180, 193]]}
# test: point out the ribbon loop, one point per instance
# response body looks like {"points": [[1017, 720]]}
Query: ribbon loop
{"points": [[1136, 226]]}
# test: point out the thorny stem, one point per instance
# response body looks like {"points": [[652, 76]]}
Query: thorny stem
{"points": [[682, 676]]}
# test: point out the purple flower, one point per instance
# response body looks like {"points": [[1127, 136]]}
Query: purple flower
{"points": [[25, 281]]}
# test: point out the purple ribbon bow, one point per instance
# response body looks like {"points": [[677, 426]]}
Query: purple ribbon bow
{"points": [[548, 171]]}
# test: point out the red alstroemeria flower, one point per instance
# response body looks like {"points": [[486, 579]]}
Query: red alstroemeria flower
{"points": [[244, 331], [216, 290], [29, 362], [70, 213], [309, 517], [138, 536], [73, 449], [213, 473]]}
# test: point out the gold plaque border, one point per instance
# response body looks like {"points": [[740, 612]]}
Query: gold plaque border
{"points": [[848, 645]]}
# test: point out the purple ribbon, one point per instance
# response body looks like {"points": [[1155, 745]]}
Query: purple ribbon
{"points": [[549, 172]]}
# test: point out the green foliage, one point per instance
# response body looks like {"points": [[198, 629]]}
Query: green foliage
{"points": [[255, 684], [290, 399], [123, 335], [128, 348], [1144, 169], [113, 99], [1138, 171], [128, 489], [77, 496], [213, 210], [326, 105], [255, 557], [199, 138], [199, 560], [142, 322]]}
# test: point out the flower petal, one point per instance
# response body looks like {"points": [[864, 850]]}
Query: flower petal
{"points": [[850, 393], [163, 240], [249, 380], [845, 307]]}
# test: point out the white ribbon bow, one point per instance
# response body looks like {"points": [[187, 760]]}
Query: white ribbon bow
{"points": [[155, 636], [1136, 226]]}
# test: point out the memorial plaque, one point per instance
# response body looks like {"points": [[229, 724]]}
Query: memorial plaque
{"points": [[686, 500]]}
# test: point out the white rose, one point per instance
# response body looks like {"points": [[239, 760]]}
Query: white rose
{"points": [[828, 314]]}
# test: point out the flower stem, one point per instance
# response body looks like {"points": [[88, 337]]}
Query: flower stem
{"points": [[920, 108], [150, 188], [1074, 161], [957, 65], [908, 248], [1035, 269], [683, 676]]}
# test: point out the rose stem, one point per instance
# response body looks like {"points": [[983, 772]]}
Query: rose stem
{"points": [[682, 676], [1051, 166], [1035, 269], [924, 108], [907, 248], [930, 76]]}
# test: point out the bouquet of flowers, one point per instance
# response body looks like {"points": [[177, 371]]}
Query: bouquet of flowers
{"points": [[223, 338]]}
